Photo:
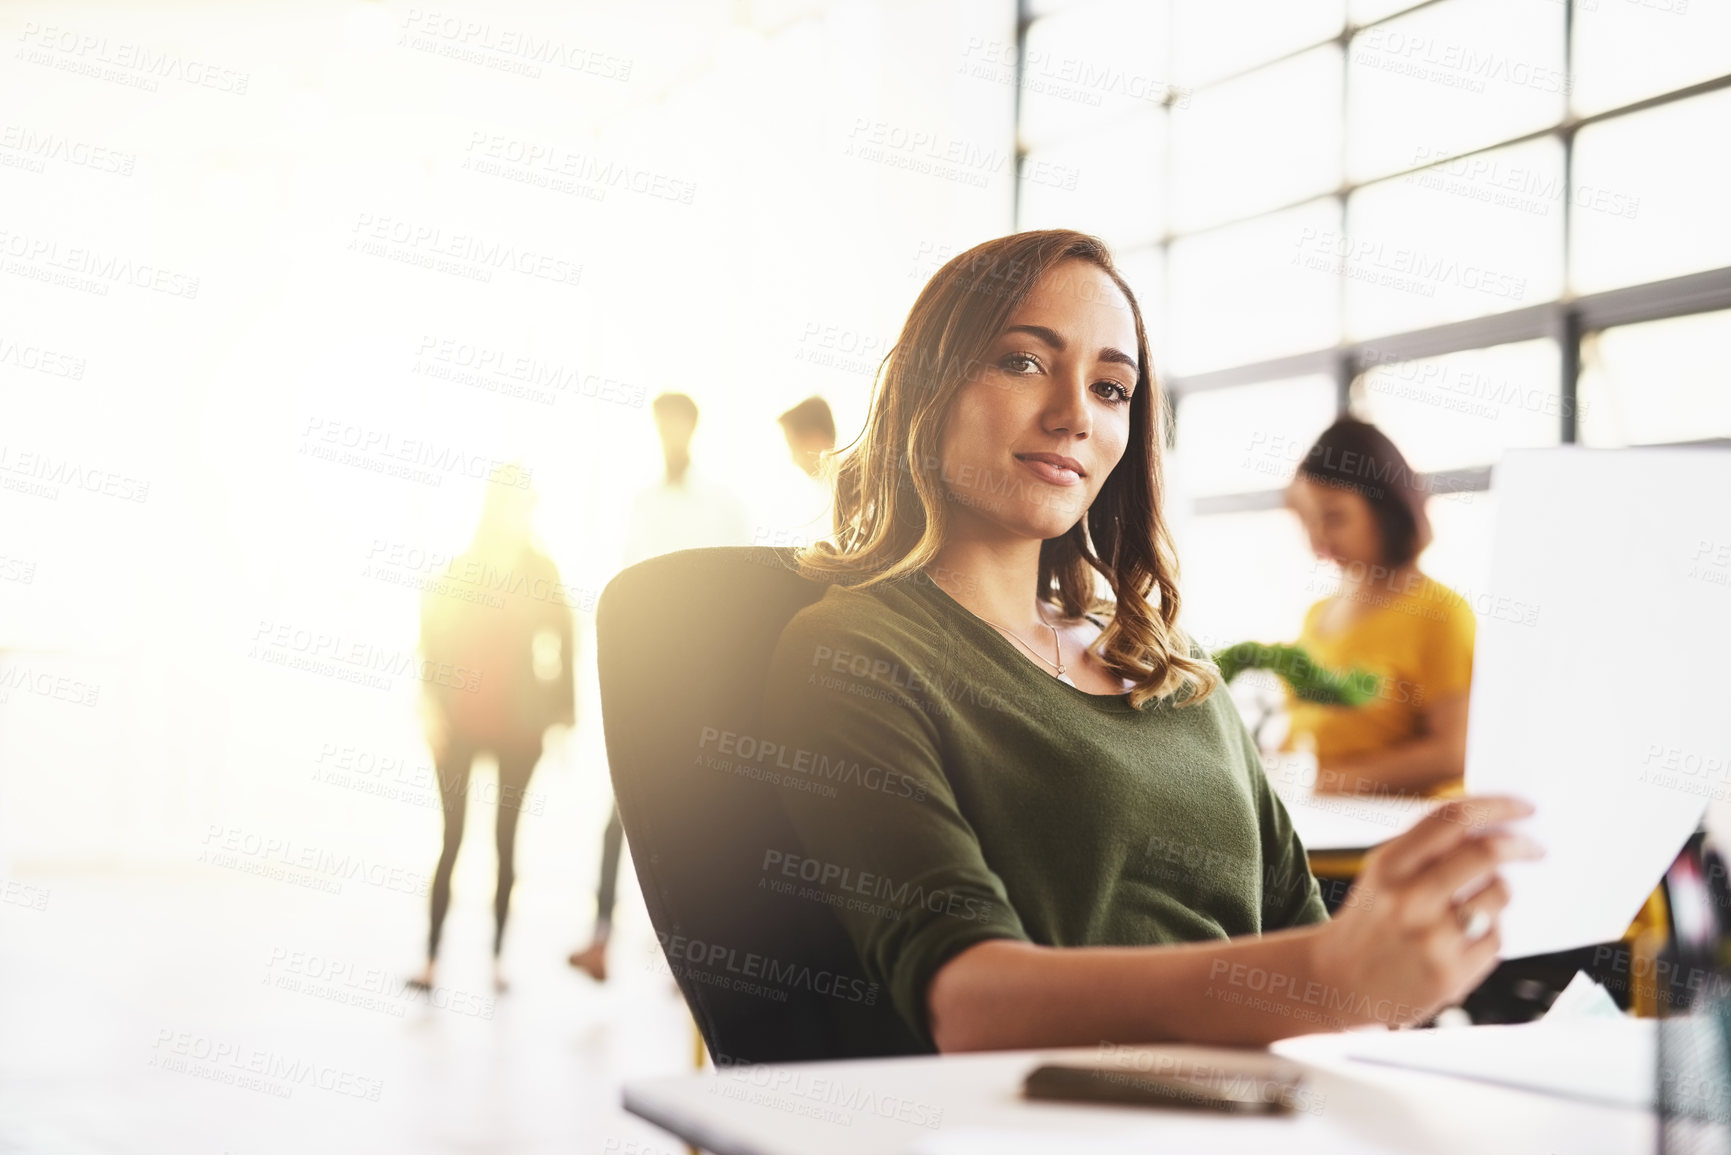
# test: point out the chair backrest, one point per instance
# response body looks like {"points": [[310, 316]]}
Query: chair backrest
{"points": [[683, 644]]}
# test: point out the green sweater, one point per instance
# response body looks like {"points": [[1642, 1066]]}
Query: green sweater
{"points": [[991, 801]]}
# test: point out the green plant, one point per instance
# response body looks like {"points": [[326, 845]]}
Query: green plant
{"points": [[1308, 678]]}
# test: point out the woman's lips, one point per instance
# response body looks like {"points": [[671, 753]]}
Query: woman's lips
{"points": [[1046, 471]]}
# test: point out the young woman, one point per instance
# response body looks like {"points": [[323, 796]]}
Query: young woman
{"points": [[516, 682], [1069, 834], [1363, 508]]}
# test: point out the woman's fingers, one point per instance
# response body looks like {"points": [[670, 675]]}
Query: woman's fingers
{"points": [[1465, 870], [1429, 926], [1466, 941], [1480, 958], [1490, 900], [1494, 896], [1442, 830]]}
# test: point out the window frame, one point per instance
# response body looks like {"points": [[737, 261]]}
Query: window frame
{"points": [[1566, 319]]}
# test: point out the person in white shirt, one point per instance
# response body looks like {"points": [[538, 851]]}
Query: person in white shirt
{"points": [[683, 511], [803, 512]]}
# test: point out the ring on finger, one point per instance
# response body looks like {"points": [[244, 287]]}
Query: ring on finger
{"points": [[1474, 922]]}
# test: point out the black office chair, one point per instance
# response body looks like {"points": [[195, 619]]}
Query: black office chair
{"points": [[683, 642]]}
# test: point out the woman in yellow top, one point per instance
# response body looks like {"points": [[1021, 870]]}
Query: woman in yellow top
{"points": [[1363, 508]]}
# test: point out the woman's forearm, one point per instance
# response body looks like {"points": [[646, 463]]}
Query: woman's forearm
{"points": [[1437, 754], [1399, 949], [1005, 995]]}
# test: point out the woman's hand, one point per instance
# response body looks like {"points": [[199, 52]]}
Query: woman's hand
{"points": [[1419, 929]]}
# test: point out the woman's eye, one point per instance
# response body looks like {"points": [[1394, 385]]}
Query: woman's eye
{"points": [[1021, 362], [1119, 393]]}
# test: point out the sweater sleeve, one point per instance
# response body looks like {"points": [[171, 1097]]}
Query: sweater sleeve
{"points": [[1291, 896], [854, 694]]}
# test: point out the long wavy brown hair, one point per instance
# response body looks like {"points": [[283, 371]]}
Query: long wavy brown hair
{"points": [[892, 510]]}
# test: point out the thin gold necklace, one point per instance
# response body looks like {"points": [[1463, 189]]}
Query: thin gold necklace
{"points": [[1057, 648]]}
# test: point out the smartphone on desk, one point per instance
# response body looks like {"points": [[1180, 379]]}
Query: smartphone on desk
{"points": [[1209, 1087]]}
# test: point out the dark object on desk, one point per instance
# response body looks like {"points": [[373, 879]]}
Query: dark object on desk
{"points": [[1309, 680], [683, 642], [1694, 1106], [1641, 978], [1200, 1086], [1694, 1068]]}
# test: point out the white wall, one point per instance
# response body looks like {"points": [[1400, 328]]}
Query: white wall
{"points": [[275, 136]]}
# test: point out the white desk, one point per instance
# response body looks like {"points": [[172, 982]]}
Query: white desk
{"points": [[852, 1108], [1335, 822], [1349, 822]]}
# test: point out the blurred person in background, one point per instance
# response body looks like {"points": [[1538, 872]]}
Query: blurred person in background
{"points": [[1363, 508], [687, 509], [684, 510], [500, 622], [799, 512], [810, 431]]}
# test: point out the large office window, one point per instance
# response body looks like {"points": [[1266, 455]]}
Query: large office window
{"points": [[1482, 224]]}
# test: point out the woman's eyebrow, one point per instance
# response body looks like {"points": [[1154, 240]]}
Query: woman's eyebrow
{"points": [[1051, 337]]}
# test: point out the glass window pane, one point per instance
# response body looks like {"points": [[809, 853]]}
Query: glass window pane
{"points": [[1215, 38], [1464, 239], [1625, 52], [1650, 194], [1145, 270], [1239, 295], [1460, 552], [1465, 408], [1246, 577], [1660, 381], [1047, 7], [1107, 182], [1090, 66], [1263, 140], [1248, 437], [1365, 11], [1451, 78]]}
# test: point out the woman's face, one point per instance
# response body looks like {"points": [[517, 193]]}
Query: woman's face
{"points": [[1341, 527], [1042, 420]]}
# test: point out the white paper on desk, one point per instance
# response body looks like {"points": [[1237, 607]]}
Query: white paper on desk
{"points": [[1156, 1131], [1609, 1060], [1583, 998], [1601, 676], [1338, 821]]}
